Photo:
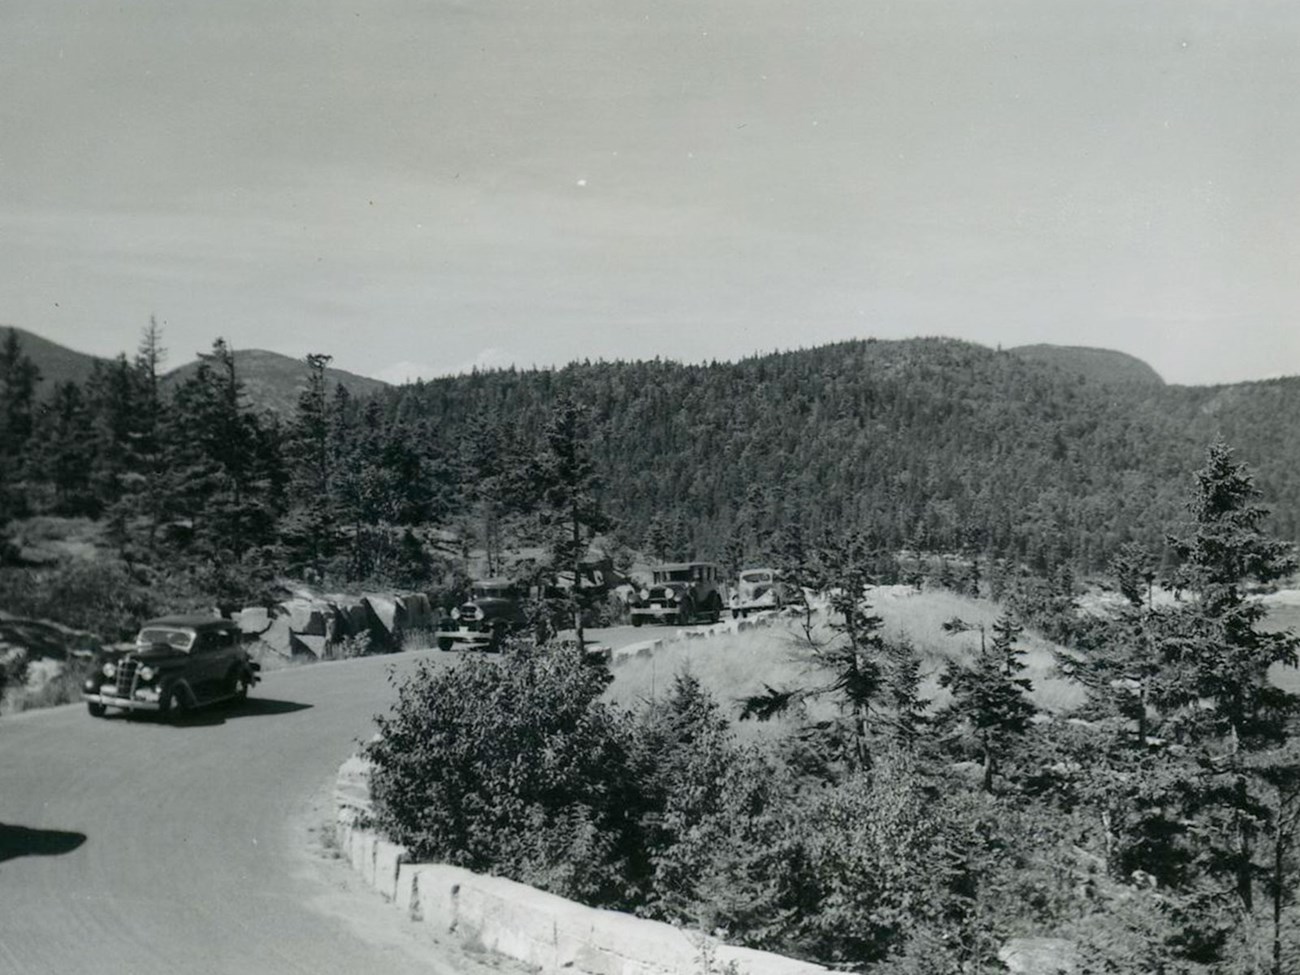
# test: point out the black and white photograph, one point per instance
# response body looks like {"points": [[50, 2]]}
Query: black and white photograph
{"points": [[732, 487]]}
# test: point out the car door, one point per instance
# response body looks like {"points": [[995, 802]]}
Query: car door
{"points": [[205, 663]]}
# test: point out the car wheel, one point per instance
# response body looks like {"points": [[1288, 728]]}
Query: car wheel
{"points": [[637, 621], [174, 705], [239, 687], [685, 614], [445, 643], [96, 710], [715, 608]]}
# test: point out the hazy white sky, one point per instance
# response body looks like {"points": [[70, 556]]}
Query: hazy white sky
{"points": [[416, 186]]}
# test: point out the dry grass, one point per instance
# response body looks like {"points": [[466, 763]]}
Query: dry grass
{"points": [[734, 666]]}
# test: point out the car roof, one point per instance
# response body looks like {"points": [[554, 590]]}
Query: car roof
{"points": [[492, 582], [671, 566], [756, 568], [193, 622]]}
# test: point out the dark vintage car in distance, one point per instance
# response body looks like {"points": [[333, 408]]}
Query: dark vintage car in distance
{"points": [[681, 592], [494, 610], [176, 663]]}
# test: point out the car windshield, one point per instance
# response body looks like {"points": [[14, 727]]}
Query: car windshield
{"points": [[756, 577], [491, 592], [170, 636], [672, 575]]}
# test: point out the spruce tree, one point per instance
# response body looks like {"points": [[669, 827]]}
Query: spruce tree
{"points": [[569, 486], [1218, 655], [989, 698]]}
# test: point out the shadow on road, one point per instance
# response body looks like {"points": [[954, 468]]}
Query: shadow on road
{"points": [[253, 707], [21, 841]]}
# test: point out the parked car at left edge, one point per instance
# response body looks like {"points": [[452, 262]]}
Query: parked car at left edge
{"points": [[177, 663]]}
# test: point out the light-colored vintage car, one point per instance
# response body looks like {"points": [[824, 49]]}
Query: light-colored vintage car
{"points": [[757, 590]]}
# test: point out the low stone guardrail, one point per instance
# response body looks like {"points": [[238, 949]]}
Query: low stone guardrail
{"points": [[523, 923], [648, 647]]}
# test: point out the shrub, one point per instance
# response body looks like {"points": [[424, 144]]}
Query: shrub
{"points": [[511, 766]]}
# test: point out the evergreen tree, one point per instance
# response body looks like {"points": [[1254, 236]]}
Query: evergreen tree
{"points": [[311, 523], [989, 698], [1217, 653], [223, 459], [18, 379], [873, 680], [65, 450], [569, 487]]}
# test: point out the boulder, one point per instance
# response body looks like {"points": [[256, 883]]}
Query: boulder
{"points": [[254, 619], [382, 611], [277, 637], [419, 612], [306, 644], [1039, 956]]}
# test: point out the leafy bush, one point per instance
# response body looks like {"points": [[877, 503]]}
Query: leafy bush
{"points": [[511, 766]]}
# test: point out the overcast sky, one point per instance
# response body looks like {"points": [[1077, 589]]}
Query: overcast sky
{"points": [[416, 186]]}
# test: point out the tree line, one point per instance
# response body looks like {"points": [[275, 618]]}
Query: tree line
{"points": [[924, 446]]}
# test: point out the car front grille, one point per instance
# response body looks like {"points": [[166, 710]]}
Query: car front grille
{"points": [[126, 676]]}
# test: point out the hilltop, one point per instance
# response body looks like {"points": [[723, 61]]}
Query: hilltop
{"points": [[1097, 365], [271, 380], [57, 363]]}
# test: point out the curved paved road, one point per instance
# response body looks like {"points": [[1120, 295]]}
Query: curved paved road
{"points": [[138, 846], [196, 851]]}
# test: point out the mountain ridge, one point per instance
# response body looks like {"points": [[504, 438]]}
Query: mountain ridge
{"points": [[272, 380]]}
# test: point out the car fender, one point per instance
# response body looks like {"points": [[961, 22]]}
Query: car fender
{"points": [[182, 687]]}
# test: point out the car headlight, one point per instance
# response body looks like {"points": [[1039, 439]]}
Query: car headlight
{"points": [[146, 673], [478, 612], [645, 593], [109, 669], [455, 612]]}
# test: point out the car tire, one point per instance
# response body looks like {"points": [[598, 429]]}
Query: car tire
{"points": [[239, 687], [445, 643], [686, 614], [96, 710], [174, 707], [637, 621]]}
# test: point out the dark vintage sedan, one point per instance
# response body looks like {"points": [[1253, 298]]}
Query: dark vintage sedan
{"points": [[494, 610], [177, 663]]}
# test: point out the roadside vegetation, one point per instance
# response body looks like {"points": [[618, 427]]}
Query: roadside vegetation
{"points": [[1148, 821]]}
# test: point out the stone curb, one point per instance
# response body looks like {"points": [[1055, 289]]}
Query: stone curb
{"points": [[524, 923], [649, 647]]}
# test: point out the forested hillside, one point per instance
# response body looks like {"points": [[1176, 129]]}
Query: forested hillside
{"points": [[930, 445]]}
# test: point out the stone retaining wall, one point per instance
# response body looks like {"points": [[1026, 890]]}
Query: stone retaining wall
{"points": [[523, 923]]}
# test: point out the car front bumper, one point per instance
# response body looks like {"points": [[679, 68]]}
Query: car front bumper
{"points": [[122, 703], [469, 638], [657, 612]]}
